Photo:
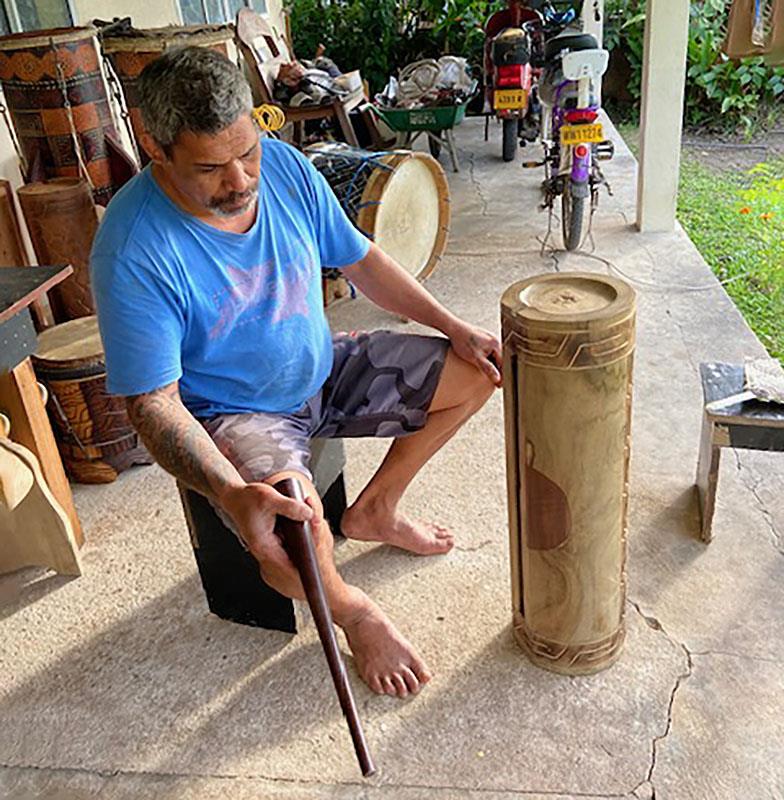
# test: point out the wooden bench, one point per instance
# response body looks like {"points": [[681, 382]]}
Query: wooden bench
{"points": [[751, 425]]}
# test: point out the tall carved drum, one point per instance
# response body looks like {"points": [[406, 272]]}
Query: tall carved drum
{"points": [[57, 100], [62, 221], [132, 50], [568, 348]]}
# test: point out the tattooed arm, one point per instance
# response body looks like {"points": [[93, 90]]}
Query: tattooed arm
{"points": [[380, 278], [179, 443]]}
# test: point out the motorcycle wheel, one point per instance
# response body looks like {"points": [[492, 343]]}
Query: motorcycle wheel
{"points": [[434, 145], [573, 211], [510, 139]]}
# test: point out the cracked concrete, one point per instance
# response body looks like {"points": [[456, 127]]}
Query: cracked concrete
{"points": [[120, 685]]}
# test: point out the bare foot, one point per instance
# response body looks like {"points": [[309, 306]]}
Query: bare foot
{"points": [[385, 660], [391, 527]]}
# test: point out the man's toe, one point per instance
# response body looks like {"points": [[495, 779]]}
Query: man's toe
{"points": [[400, 685], [411, 680]]}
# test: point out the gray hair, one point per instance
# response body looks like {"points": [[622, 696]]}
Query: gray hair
{"points": [[191, 89]]}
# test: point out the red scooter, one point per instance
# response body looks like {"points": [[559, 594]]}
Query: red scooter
{"points": [[509, 75]]}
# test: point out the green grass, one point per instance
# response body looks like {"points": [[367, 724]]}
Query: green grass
{"points": [[736, 220]]}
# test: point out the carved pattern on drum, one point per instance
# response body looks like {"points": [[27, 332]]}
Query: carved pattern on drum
{"points": [[570, 659], [34, 88], [574, 349]]}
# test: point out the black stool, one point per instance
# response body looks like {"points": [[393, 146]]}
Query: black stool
{"points": [[230, 575]]}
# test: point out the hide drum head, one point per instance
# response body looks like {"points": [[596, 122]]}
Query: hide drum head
{"points": [[70, 343], [408, 221]]}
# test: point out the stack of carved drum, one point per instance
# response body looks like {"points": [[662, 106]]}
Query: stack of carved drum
{"points": [[72, 162], [568, 349]]}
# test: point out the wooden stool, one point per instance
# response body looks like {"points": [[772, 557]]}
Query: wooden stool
{"points": [[229, 573], [752, 425]]}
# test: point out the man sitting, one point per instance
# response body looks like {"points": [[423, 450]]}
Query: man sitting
{"points": [[207, 275]]}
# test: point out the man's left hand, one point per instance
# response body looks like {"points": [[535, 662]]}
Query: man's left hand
{"points": [[478, 347]]}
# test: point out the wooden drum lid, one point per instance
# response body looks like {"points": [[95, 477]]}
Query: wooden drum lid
{"points": [[568, 348]]}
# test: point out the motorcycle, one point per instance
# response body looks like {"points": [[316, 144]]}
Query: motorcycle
{"points": [[509, 75], [572, 138]]}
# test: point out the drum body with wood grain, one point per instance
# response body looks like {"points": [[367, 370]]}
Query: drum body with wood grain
{"points": [[568, 350], [62, 220], [399, 199], [132, 52], [94, 434], [38, 71]]}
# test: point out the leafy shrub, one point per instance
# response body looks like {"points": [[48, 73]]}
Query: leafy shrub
{"points": [[383, 36], [719, 92]]}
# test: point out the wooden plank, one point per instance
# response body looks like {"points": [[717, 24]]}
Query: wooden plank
{"points": [[19, 286], [21, 401], [707, 478]]}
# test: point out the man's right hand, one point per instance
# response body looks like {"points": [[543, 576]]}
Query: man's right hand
{"points": [[253, 507]]}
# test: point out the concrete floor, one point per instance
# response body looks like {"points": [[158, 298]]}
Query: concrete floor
{"points": [[120, 684]]}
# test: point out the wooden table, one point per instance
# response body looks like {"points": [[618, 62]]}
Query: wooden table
{"points": [[20, 397], [751, 425]]}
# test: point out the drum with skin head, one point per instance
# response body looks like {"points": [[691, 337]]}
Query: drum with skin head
{"points": [[94, 434], [400, 199], [568, 348]]}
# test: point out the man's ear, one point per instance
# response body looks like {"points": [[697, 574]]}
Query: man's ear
{"points": [[156, 153]]}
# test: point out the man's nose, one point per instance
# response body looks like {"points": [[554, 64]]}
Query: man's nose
{"points": [[235, 177]]}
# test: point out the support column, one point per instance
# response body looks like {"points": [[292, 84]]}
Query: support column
{"points": [[661, 118]]}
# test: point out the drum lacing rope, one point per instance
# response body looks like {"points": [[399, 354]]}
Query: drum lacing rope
{"points": [[23, 165], [374, 160], [125, 116], [69, 113]]}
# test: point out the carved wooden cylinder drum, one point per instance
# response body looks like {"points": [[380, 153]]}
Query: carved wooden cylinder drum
{"points": [[568, 349], [57, 100], [94, 434], [132, 51], [62, 220]]}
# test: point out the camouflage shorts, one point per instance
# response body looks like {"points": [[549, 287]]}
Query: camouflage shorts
{"points": [[382, 384]]}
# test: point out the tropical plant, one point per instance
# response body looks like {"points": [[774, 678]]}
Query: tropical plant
{"points": [[719, 92]]}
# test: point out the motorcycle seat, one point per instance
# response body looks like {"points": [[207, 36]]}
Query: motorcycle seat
{"points": [[569, 40]]}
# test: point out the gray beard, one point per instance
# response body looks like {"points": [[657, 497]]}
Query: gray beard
{"points": [[235, 212]]}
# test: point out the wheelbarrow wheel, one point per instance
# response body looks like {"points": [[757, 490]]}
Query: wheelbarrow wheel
{"points": [[434, 144]]}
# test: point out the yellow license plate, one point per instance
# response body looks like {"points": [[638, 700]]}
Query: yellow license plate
{"points": [[582, 134], [510, 98]]}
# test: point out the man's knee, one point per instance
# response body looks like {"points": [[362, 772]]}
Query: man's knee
{"points": [[310, 492], [463, 384]]}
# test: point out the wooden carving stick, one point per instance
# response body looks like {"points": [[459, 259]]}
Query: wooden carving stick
{"points": [[298, 543]]}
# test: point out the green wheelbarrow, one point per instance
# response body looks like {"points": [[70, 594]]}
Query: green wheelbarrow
{"points": [[436, 122]]}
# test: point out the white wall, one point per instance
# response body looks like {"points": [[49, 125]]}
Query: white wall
{"points": [[144, 13]]}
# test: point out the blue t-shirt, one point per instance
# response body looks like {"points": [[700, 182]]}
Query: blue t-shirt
{"points": [[237, 319]]}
